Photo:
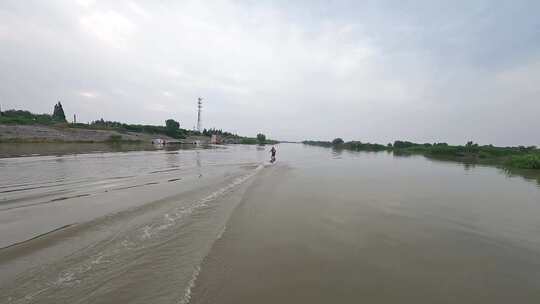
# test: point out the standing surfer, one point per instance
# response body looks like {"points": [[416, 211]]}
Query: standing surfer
{"points": [[273, 151]]}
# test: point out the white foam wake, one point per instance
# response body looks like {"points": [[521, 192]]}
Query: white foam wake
{"points": [[187, 294], [170, 219], [191, 284], [73, 275]]}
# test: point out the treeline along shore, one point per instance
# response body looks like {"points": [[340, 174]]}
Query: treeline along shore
{"points": [[21, 126], [514, 157]]}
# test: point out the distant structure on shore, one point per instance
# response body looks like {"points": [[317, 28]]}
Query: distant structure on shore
{"points": [[216, 139], [199, 109]]}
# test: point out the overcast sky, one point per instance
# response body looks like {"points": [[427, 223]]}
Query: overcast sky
{"points": [[365, 70]]}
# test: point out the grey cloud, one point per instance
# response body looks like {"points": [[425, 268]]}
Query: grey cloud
{"points": [[371, 70]]}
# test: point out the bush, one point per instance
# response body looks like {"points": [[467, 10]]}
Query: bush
{"points": [[528, 161], [115, 138], [317, 143], [357, 145], [444, 150], [173, 128], [398, 144], [261, 138], [24, 118], [248, 141]]}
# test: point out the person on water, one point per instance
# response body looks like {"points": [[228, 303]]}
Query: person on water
{"points": [[273, 151]]}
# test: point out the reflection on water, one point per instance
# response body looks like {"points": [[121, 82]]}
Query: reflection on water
{"points": [[400, 153], [529, 175], [34, 149], [198, 161], [336, 153], [468, 165]]}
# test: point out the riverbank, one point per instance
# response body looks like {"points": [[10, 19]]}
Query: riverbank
{"points": [[66, 134], [20, 126]]}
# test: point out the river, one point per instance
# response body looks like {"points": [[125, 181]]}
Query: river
{"points": [[222, 225]]}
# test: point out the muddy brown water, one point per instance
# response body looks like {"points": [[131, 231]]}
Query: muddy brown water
{"points": [[224, 226]]}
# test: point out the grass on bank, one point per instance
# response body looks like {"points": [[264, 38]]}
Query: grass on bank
{"points": [[528, 161]]}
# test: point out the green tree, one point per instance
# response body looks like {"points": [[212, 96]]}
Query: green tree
{"points": [[172, 127], [471, 147], [261, 138], [58, 113], [398, 144], [337, 141]]}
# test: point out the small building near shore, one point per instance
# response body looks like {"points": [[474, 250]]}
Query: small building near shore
{"points": [[216, 139], [197, 140], [158, 141]]}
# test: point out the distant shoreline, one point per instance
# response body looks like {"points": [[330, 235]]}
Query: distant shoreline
{"points": [[65, 133], [516, 157], [21, 126]]}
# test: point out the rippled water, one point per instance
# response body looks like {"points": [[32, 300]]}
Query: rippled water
{"points": [[223, 226], [115, 227]]}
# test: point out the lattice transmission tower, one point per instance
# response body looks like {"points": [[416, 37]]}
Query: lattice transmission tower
{"points": [[199, 109]]}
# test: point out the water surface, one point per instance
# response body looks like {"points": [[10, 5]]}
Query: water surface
{"points": [[326, 226], [224, 226]]}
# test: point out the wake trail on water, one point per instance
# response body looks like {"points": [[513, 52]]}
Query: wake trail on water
{"points": [[129, 256]]}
